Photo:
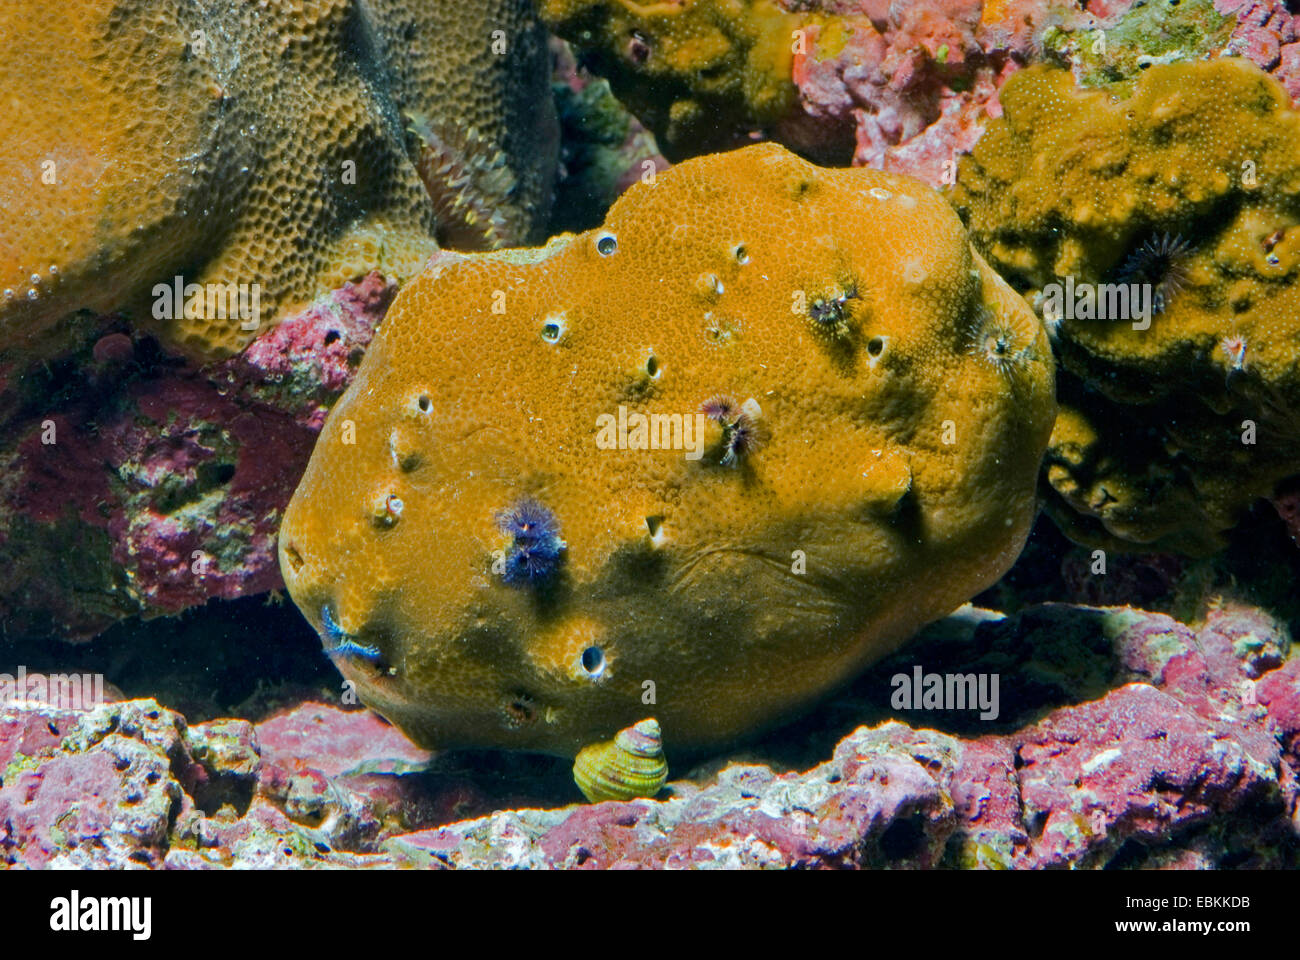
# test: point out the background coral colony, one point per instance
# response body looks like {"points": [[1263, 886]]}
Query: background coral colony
{"points": [[710, 433]]}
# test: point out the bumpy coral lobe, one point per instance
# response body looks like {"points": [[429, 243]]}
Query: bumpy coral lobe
{"points": [[699, 73], [683, 573], [1149, 452], [213, 140]]}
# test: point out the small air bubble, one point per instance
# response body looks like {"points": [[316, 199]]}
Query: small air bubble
{"points": [[36, 279], [54, 271], [33, 295]]}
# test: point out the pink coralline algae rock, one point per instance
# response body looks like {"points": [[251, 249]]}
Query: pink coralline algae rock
{"points": [[873, 804], [1181, 750], [1154, 766], [158, 485], [93, 790], [1268, 34], [914, 84]]}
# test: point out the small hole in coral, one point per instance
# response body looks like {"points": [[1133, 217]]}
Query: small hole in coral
{"points": [[551, 332], [606, 244], [331, 337], [424, 403], [638, 47], [875, 346], [655, 526], [294, 557], [593, 660], [652, 366], [742, 254]]}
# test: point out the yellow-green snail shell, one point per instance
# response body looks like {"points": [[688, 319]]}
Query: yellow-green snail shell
{"points": [[630, 765]]}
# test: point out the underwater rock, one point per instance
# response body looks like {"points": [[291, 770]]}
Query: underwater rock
{"points": [[901, 87], [97, 791], [1188, 763], [1268, 34], [873, 804], [1178, 413], [1168, 744], [161, 484], [886, 398], [275, 150], [603, 148]]}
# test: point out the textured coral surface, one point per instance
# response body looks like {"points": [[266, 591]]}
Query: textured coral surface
{"points": [[1171, 426], [888, 400], [282, 144]]}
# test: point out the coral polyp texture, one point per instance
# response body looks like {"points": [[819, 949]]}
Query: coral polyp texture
{"points": [[521, 507], [1183, 196], [267, 152]]}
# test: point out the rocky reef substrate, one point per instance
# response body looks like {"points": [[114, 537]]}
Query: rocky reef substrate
{"points": [[1123, 738]]}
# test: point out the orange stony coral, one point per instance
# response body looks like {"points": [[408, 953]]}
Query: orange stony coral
{"points": [[704, 462], [282, 144]]}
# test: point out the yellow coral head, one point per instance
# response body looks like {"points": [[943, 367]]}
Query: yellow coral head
{"points": [[590, 525]]}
